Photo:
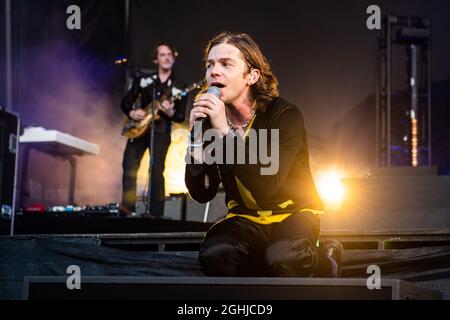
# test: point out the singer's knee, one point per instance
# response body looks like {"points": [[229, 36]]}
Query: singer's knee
{"points": [[292, 258], [222, 259]]}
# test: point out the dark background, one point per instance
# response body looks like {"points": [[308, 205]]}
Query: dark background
{"points": [[321, 51]]}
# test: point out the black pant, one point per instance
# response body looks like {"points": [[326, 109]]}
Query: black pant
{"points": [[240, 247], [132, 157]]}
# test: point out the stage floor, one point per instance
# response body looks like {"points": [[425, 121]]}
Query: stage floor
{"points": [[50, 255]]}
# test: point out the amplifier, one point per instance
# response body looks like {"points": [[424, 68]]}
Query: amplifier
{"points": [[194, 211], [9, 146]]}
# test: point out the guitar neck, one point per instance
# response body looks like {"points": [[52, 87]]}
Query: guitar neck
{"points": [[175, 98], [184, 92]]}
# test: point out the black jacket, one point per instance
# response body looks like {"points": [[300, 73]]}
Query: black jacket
{"points": [[248, 192], [141, 93]]}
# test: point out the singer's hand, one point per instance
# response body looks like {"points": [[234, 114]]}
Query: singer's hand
{"points": [[196, 114], [137, 114], [210, 105]]}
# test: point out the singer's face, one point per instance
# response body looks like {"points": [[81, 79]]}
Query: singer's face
{"points": [[164, 58], [226, 69]]}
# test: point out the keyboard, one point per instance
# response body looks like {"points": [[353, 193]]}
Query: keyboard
{"points": [[59, 143]]}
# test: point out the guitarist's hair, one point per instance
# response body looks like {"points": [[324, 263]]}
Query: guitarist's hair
{"points": [[266, 88], [163, 43]]}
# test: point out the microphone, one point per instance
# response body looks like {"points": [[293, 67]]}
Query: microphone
{"points": [[198, 124], [215, 91]]}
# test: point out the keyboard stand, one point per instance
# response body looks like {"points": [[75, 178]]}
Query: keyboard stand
{"points": [[56, 144], [71, 159]]}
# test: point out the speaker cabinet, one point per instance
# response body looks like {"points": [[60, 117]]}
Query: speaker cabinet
{"points": [[9, 147], [173, 209]]}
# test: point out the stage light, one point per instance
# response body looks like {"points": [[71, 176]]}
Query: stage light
{"points": [[414, 143], [330, 189]]}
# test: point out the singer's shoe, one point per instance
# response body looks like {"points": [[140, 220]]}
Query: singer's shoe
{"points": [[330, 259]]}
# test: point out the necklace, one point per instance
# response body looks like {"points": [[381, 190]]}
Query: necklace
{"points": [[244, 125]]}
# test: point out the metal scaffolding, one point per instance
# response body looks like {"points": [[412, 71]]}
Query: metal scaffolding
{"points": [[8, 55], [404, 115]]}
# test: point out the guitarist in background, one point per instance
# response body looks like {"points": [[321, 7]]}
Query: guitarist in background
{"points": [[133, 105]]}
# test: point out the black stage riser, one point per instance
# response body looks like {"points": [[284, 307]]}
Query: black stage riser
{"points": [[201, 288]]}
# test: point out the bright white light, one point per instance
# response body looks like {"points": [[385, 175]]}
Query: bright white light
{"points": [[330, 188]]}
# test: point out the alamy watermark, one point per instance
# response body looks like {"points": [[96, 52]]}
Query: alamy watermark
{"points": [[263, 149], [374, 280], [74, 280], [73, 22], [374, 20]]}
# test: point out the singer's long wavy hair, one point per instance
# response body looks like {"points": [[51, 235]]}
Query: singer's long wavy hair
{"points": [[266, 88]]}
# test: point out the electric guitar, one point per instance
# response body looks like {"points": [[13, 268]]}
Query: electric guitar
{"points": [[133, 129]]}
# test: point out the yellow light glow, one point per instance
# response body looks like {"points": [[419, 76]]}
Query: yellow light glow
{"points": [[330, 188], [174, 165]]}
